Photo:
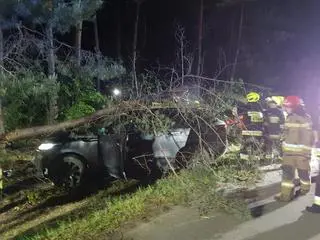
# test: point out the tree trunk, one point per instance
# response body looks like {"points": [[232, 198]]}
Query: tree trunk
{"points": [[119, 33], [49, 129], [182, 39], [200, 39], [234, 67], [96, 34], [78, 42], [97, 46], [52, 98], [134, 53], [1, 84], [50, 56]]}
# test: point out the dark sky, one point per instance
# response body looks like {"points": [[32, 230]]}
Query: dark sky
{"points": [[279, 45]]}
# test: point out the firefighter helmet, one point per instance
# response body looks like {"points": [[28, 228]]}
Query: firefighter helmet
{"points": [[253, 97], [292, 102]]}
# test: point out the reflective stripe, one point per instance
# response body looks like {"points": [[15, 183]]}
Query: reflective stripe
{"points": [[273, 136], [268, 156], [1, 180], [298, 125], [307, 148], [316, 151], [287, 184], [317, 200], [252, 133], [244, 156], [295, 147], [255, 157], [305, 183], [248, 157], [274, 119]]}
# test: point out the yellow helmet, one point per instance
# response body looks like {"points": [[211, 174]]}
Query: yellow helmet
{"points": [[278, 100], [253, 97]]}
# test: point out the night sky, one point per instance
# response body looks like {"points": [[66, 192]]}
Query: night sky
{"points": [[279, 45]]}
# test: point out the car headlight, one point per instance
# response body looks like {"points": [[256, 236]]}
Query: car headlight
{"points": [[46, 146]]}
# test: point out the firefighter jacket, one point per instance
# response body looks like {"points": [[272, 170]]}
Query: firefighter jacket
{"points": [[252, 118], [298, 137], [273, 121]]}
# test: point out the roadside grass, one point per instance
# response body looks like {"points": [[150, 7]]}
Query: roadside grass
{"points": [[104, 214]]}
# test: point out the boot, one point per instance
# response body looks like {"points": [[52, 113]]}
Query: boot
{"points": [[304, 191], [286, 195], [313, 209], [283, 198], [305, 188]]}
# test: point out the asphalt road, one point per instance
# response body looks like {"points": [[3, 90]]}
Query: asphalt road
{"points": [[277, 221]]}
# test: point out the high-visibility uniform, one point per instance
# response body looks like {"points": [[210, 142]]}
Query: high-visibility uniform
{"points": [[315, 208], [252, 134], [274, 122], [1, 182], [297, 145]]}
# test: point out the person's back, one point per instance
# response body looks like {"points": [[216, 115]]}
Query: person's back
{"points": [[252, 117], [298, 131], [252, 134], [296, 149], [274, 120]]}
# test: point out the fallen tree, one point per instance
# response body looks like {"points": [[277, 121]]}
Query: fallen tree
{"points": [[49, 129], [114, 110]]}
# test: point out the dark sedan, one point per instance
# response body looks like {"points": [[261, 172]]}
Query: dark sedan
{"points": [[67, 159]]}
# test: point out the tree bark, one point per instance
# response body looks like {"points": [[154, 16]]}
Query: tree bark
{"points": [[200, 39], [78, 42], [1, 84], [182, 39], [97, 45], [49, 129], [119, 33], [134, 53], [50, 54], [96, 34], [52, 97], [234, 67]]}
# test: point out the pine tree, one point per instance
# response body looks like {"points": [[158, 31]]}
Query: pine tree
{"points": [[80, 11]]}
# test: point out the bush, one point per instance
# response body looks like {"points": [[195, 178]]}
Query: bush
{"points": [[26, 99], [79, 110], [78, 97]]}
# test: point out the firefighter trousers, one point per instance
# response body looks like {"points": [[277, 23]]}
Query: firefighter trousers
{"points": [[273, 148], [290, 164], [317, 192], [251, 148]]}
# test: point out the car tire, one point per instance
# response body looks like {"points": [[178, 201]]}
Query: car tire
{"points": [[71, 172], [184, 157]]}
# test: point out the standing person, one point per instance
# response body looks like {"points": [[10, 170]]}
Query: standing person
{"points": [[273, 129], [252, 135], [1, 183], [315, 208], [296, 148]]}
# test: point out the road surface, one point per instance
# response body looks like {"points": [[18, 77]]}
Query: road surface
{"points": [[278, 221]]}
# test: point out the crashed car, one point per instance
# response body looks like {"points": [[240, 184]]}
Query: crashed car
{"points": [[120, 148]]}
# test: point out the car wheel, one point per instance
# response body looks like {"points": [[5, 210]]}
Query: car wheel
{"points": [[184, 157], [73, 172]]}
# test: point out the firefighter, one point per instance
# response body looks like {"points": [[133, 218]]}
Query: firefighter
{"points": [[315, 208], [296, 149], [252, 134], [273, 128], [1, 183]]}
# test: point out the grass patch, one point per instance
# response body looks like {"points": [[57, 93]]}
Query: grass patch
{"points": [[104, 214]]}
